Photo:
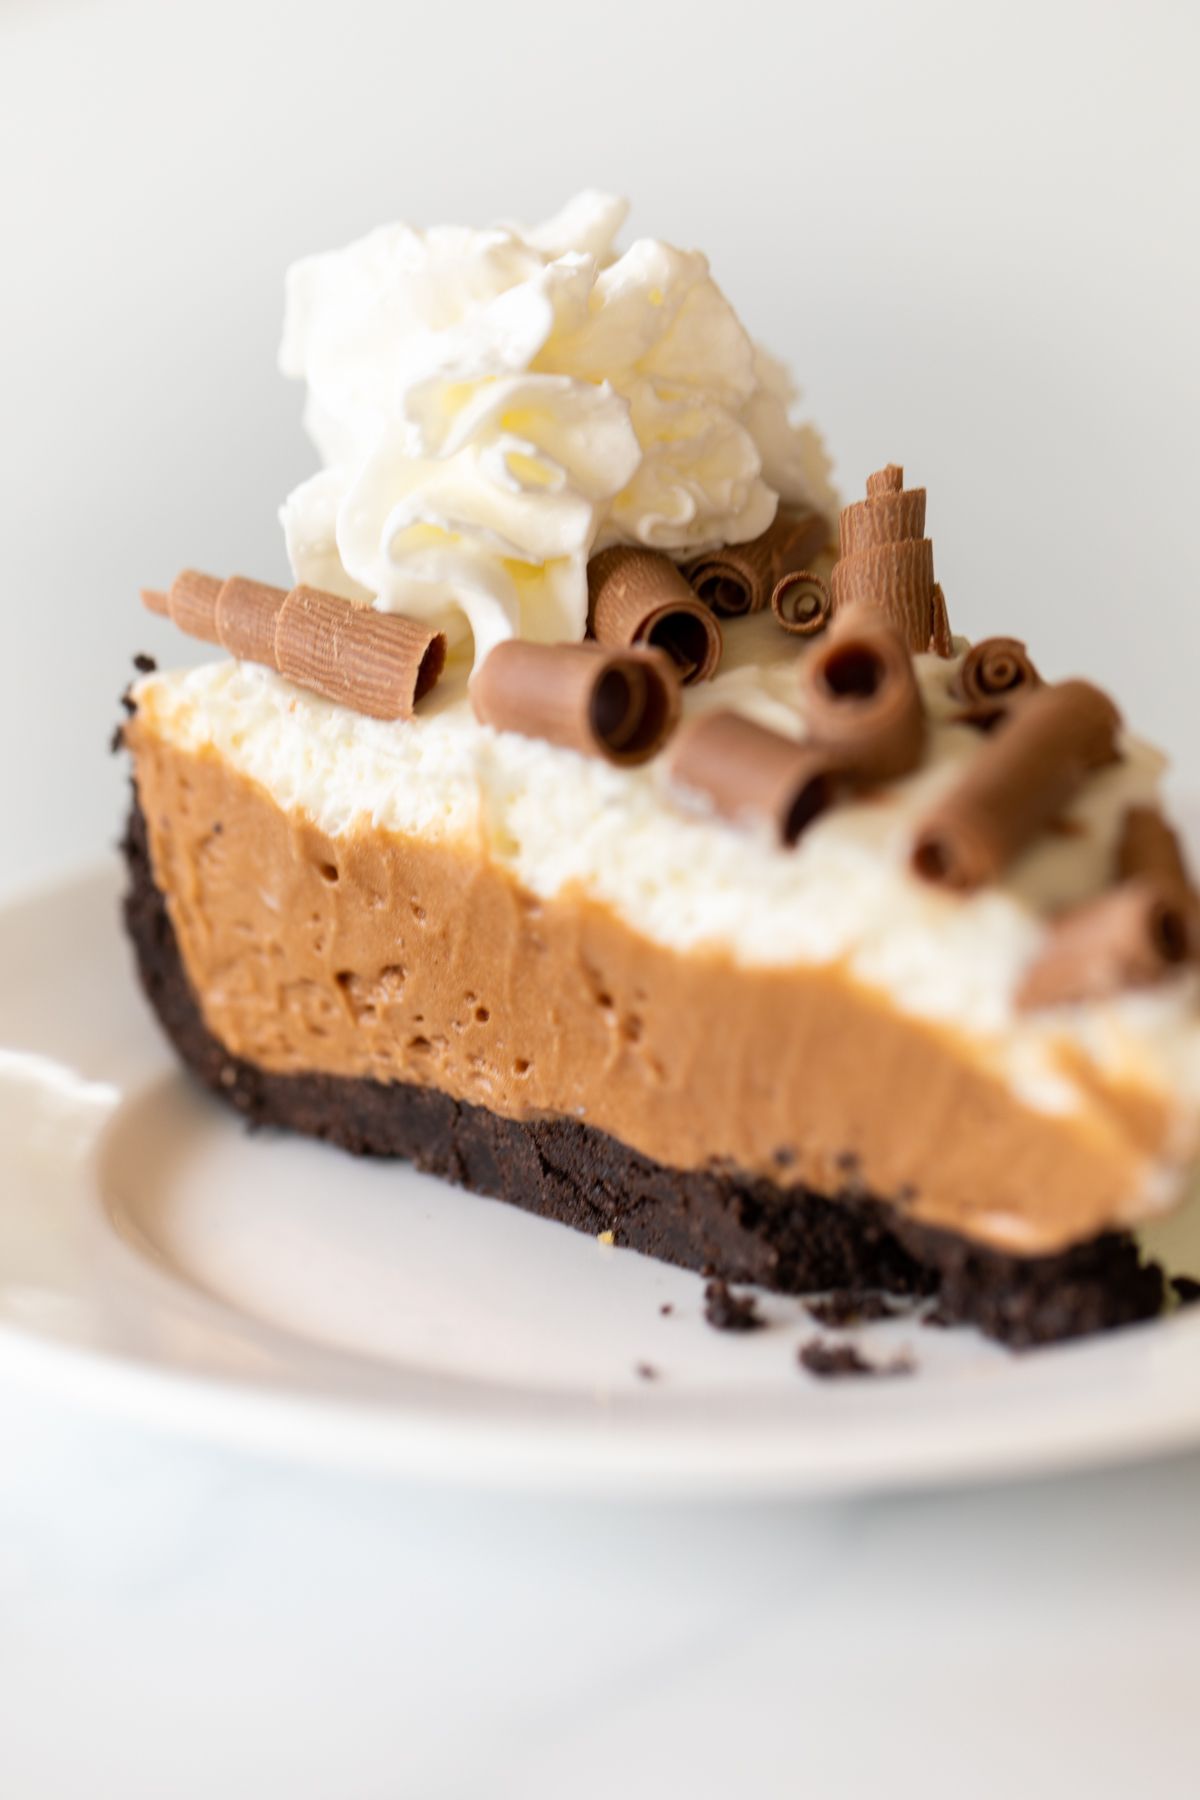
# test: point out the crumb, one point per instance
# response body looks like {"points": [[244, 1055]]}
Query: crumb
{"points": [[846, 1306], [729, 1312], [606, 1237], [145, 665], [666, 1308], [129, 705], [832, 1362], [116, 742], [647, 1371], [1187, 1289]]}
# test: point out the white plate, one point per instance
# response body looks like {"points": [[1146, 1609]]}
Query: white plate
{"points": [[265, 1290]]}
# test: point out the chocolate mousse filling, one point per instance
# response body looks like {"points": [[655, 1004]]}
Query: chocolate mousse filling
{"points": [[421, 958], [741, 1227]]}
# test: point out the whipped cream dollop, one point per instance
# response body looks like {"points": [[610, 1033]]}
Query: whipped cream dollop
{"points": [[493, 406]]}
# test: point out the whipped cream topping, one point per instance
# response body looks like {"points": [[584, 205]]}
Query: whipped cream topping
{"points": [[559, 822], [492, 406]]}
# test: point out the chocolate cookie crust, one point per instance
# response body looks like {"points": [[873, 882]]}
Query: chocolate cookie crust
{"points": [[740, 1228]]}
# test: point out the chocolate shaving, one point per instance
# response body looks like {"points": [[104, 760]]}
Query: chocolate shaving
{"points": [[640, 597], [740, 578], [1132, 936], [992, 667], [897, 578], [941, 638], [376, 663], [248, 620], [861, 699], [1029, 767], [1148, 847], [1186, 1289], [801, 603], [191, 604], [985, 715], [885, 518], [751, 775], [618, 704], [887, 561]]}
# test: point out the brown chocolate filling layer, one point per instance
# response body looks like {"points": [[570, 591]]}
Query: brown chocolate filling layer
{"points": [[411, 960], [740, 1227]]}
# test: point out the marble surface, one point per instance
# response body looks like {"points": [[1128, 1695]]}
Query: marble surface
{"points": [[184, 1623]]}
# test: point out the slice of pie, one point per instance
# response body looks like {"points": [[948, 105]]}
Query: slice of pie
{"points": [[595, 825]]}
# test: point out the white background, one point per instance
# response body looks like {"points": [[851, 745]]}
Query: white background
{"points": [[973, 232], [971, 229]]}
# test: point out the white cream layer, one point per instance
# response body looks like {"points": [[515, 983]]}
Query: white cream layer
{"points": [[560, 822]]}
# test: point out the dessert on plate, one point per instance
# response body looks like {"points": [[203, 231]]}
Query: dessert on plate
{"points": [[606, 818]]}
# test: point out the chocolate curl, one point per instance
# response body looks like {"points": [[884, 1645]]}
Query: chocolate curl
{"points": [[1026, 770], [897, 578], [801, 603], [750, 775], [887, 561], [1132, 936], [941, 638], [248, 618], [640, 597], [992, 667], [861, 699], [238, 614], [883, 519], [983, 715], [619, 704], [377, 663], [1148, 849], [741, 578], [191, 603]]}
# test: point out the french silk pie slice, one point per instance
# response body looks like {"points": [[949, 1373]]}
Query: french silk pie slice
{"points": [[607, 821]]}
